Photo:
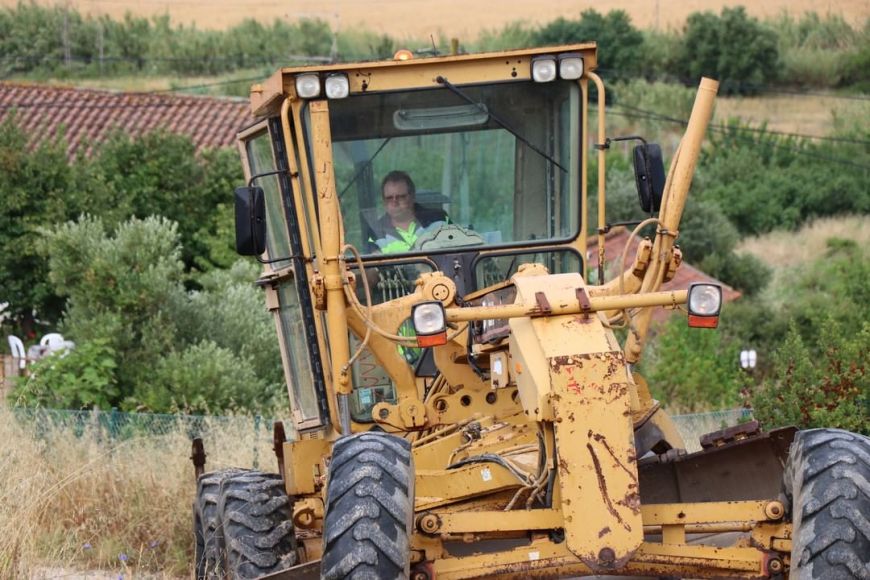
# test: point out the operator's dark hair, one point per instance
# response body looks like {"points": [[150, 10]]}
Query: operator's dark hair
{"points": [[399, 177]]}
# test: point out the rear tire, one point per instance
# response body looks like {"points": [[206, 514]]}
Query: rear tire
{"points": [[369, 509], [257, 535], [827, 481], [206, 524]]}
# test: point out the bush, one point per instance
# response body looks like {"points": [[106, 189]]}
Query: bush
{"points": [[205, 378], [693, 370], [143, 341], [82, 377], [619, 42], [819, 384], [733, 48]]}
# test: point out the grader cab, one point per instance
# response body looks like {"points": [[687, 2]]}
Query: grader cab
{"points": [[461, 406]]}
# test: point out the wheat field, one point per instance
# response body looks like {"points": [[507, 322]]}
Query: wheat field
{"points": [[452, 18]]}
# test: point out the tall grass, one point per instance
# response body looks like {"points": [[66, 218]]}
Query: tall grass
{"points": [[77, 499]]}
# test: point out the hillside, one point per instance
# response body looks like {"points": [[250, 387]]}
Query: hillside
{"points": [[419, 18]]}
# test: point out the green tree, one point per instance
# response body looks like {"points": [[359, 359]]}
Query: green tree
{"points": [[34, 188], [620, 43], [733, 48]]}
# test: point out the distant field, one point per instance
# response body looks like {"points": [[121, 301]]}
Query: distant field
{"points": [[460, 18]]}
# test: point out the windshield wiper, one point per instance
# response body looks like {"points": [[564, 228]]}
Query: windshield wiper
{"points": [[443, 81], [363, 167]]}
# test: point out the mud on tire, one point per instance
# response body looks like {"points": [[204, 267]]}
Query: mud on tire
{"points": [[827, 481], [369, 509]]}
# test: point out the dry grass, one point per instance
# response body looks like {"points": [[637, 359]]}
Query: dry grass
{"points": [[420, 18], [84, 501], [793, 114], [783, 249]]}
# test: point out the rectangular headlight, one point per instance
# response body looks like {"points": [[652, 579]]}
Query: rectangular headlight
{"points": [[429, 323], [704, 304], [308, 86], [570, 66], [337, 86], [544, 69]]}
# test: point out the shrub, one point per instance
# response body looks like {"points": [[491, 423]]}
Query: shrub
{"points": [[823, 384], [620, 43], [82, 377], [692, 370], [732, 47]]}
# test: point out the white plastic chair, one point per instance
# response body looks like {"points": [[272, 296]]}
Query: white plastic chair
{"points": [[52, 340], [17, 348]]}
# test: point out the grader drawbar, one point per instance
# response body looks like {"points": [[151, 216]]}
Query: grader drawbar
{"points": [[460, 403]]}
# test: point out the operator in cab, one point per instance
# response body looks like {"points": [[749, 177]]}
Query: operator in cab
{"points": [[404, 221]]}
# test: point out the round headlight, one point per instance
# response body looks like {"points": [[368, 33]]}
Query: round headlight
{"points": [[337, 86], [308, 86], [705, 299], [544, 69]]}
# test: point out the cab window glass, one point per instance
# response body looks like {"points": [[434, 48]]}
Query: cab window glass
{"points": [[261, 160]]}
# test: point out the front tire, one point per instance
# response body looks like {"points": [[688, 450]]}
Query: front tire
{"points": [[369, 509], [827, 480]]}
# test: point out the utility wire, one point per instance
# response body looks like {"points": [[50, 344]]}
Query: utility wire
{"points": [[651, 116], [721, 127]]}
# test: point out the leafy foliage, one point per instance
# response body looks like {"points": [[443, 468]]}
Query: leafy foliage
{"points": [[156, 174], [33, 190], [145, 341], [693, 369], [82, 377], [819, 384], [733, 48], [763, 181], [620, 42]]}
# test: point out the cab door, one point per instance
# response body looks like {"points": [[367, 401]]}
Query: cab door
{"points": [[284, 276]]}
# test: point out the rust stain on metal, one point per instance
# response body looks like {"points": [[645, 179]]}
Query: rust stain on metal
{"points": [[603, 440], [604, 530], [563, 467], [602, 486]]}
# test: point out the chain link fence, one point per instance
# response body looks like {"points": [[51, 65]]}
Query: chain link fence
{"points": [[115, 425]]}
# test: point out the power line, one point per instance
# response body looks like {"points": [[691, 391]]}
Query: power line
{"points": [[652, 116], [759, 130]]}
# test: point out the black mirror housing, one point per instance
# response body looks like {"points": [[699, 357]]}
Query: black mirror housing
{"points": [[649, 176], [250, 221]]}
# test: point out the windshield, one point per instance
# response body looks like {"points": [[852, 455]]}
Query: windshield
{"points": [[430, 170]]}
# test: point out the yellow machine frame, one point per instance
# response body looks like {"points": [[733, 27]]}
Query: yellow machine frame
{"points": [[568, 390]]}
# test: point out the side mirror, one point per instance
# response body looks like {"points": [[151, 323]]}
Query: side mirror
{"points": [[250, 221], [649, 175]]}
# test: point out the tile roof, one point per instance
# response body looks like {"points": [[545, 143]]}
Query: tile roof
{"points": [[87, 116], [614, 243]]}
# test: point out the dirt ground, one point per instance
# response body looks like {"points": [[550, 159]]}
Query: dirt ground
{"points": [[459, 18]]}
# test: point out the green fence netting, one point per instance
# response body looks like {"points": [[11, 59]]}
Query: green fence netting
{"points": [[115, 425]]}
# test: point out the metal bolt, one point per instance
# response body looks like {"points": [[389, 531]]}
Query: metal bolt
{"points": [[419, 575], [774, 566], [774, 510], [384, 413], [606, 556]]}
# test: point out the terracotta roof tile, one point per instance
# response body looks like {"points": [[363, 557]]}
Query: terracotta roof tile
{"points": [[87, 116], [686, 274]]}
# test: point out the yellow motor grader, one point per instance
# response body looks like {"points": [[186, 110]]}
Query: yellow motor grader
{"points": [[461, 405]]}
